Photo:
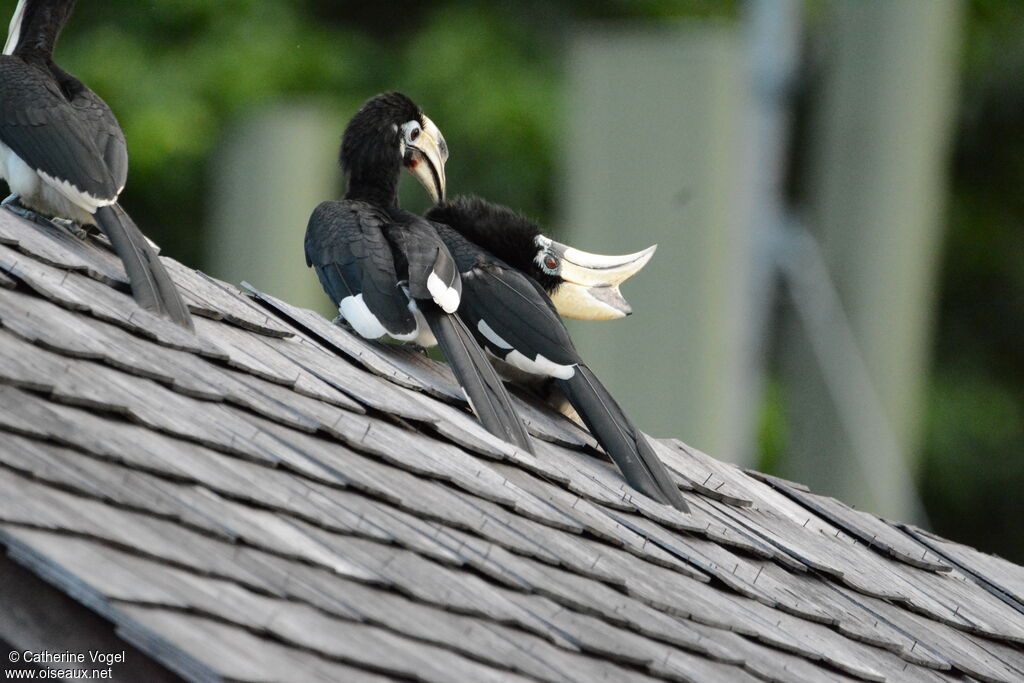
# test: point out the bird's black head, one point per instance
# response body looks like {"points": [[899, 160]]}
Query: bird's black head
{"points": [[388, 132], [581, 285], [508, 235], [35, 26]]}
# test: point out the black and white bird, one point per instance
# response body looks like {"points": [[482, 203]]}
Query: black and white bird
{"points": [[582, 285], [63, 153], [507, 269], [386, 269]]}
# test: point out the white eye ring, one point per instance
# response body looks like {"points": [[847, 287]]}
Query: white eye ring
{"points": [[411, 132], [548, 261]]}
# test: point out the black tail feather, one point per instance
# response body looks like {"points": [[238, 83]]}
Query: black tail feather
{"points": [[478, 378], [623, 442], [151, 285]]}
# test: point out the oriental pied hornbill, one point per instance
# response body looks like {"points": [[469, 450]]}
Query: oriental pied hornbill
{"points": [[63, 154], [386, 269], [508, 270], [581, 285]]}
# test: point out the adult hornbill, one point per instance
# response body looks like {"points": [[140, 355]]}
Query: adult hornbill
{"points": [[508, 270], [386, 269], [63, 153], [581, 285]]}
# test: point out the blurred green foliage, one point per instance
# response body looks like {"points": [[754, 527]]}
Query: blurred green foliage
{"points": [[973, 465], [178, 74]]}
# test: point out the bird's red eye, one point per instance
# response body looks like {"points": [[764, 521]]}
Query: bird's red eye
{"points": [[415, 133], [550, 262]]}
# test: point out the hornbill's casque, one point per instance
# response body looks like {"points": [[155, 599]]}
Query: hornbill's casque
{"points": [[508, 270], [386, 269], [63, 154]]}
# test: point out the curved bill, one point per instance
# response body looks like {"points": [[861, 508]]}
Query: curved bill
{"points": [[590, 282], [425, 160]]}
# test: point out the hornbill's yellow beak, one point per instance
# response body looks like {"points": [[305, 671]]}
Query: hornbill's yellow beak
{"points": [[590, 282], [425, 159]]}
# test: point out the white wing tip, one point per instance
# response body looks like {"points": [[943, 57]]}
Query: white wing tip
{"points": [[355, 311], [78, 197], [444, 296]]}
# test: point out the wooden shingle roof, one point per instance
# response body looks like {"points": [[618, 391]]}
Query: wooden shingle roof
{"points": [[277, 499]]}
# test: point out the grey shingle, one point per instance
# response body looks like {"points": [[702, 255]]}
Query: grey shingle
{"points": [[277, 499]]}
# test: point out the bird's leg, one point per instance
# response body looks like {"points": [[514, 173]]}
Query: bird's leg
{"points": [[13, 204], [342, 323], [71, 226], [416, 348]]}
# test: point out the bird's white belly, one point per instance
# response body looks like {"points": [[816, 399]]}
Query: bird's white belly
{"points": [[46, 195], [20, 177], [421, 336], [424, 337]]}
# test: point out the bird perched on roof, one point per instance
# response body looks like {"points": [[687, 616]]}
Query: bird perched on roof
{"points": [[386, 269], [63, 154], [508, 269], [581, 285]]}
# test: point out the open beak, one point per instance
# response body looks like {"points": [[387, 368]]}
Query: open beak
{"points": [[425, 160], [590, 282]]}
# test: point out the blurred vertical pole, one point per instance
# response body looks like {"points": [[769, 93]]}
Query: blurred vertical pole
{"points": [[771, 42], [272, 169], [876, 199], [651, 157]]}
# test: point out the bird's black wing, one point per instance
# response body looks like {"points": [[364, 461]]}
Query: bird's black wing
{"points": [[428, 265], [39, 125], [517, 311], [99, 119], [346, 245]]}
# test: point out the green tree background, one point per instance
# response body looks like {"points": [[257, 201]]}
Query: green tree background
{"points": [[178, 74]]}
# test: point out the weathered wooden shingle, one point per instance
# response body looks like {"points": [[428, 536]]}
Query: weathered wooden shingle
{"points": [[275, 498]]}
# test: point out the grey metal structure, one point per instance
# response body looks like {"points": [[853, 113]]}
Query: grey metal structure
{"points": [[860, 268], [695, 130], [272, 167], [274, 498]]}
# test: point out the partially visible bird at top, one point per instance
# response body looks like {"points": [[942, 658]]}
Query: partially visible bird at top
{"points": [[64, 156]]}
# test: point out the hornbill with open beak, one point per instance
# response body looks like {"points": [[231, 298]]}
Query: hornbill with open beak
{"points": [[63, 154], [508, 270], [581, 285], [386, 269]]}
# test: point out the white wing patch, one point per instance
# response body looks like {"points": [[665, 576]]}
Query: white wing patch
{"points": [[538, 366], [491, 335], [355, 311], [470, 402], [444, 296], [22, 178], [80, 198]]}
